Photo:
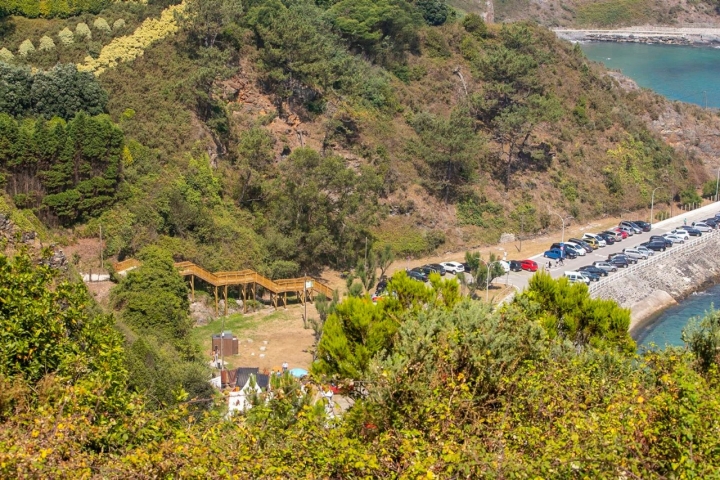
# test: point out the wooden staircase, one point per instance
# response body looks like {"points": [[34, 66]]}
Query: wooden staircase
{"points": [[304, 288]]}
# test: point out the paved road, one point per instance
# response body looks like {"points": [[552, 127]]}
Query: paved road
{"points": [[520, 279]]}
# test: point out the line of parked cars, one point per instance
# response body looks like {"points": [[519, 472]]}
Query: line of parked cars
{"points": [[629, 256], [579, 247]]}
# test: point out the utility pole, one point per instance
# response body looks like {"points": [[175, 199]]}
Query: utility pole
{"points": [[305, 300], [717, 184], [522, 230]]}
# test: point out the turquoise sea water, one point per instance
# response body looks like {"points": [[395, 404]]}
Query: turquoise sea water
{"points": [[667, 328], [688, 74]]}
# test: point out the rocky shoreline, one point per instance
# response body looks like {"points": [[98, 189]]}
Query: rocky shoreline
{"points": [[649, 35]]}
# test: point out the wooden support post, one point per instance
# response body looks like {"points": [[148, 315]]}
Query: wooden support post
{"points": [[285, 300], [244, 294], [226, 301], [192, 286], [217, 309]]}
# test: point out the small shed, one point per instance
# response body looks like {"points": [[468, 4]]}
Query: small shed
{"points": [[225, 343]]}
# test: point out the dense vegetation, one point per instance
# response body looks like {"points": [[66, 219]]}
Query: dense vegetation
{"points": [[65, 170], [454, 389], [390, 121]]}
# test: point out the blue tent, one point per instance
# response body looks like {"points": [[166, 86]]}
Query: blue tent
{"points": [[298, 372]]}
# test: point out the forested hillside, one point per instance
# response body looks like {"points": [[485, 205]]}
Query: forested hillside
{"points": [[283, 136]]}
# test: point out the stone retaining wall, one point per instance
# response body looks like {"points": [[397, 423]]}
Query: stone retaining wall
{"points": [[654, 285]]}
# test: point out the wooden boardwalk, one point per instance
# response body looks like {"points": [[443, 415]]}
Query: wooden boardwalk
{"points": [[247, 281]]}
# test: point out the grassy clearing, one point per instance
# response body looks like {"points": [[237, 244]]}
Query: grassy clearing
{"points": [[614, 13], [237, 323]]}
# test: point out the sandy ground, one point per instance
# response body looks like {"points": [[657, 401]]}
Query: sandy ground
{"points": [[268, 342], [700, 36]]}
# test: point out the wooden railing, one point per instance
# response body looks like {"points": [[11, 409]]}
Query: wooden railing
{"points": [[278, 289]]}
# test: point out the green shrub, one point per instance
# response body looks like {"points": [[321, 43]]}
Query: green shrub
{"points": [[66, 36], [83, 31], [6, 55], [119, 24], [46, 44], [102, 25], [25, 48]]}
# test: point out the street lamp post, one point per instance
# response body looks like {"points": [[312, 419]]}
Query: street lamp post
{"points": [[652, 205], [563, 226], [522, 228]]}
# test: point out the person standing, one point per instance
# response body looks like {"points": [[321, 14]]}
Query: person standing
{"points": [[284, 367]]}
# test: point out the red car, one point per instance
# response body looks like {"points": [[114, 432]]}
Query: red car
{"points": [[529, 265], [621, 232]]}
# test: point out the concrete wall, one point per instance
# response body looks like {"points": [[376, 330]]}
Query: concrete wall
{"points": [[661, 281]]}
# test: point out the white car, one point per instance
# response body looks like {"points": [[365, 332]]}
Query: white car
{"points": [[645, 250], [635, 253], [579, 251], [505, 265], [674, 238], [681, 233], [453, 267], [703, 227]]}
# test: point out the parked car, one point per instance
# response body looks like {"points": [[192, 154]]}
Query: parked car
{"points": [[674, 238], [622, 256], [617, 236], [591, 276], [631, 225], [515, 266], [433, 268], [577, 277], [620, 261], [609, 239], [466, 267], [588, 248], [607, 266], [554, 253], [594, 269], [529, 265], [635, 253], [680, 233], [656, 245], [453, 267], [417, 274], [622, 232], [645, 226], [505, 265], [712, 222], [659, 238], [703, 227], [692, 231], [591, 236], [645, 250], [628, 230], [578, 251]]}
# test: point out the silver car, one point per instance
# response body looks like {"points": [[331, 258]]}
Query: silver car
{"points": [[635, 253], [645, 250], [607, 266], [674, 238]]}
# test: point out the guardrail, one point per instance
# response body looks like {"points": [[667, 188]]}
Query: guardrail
{"points": [[689, 245]]}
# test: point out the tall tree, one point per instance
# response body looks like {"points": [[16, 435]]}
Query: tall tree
{"points": [[450, 151]]}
